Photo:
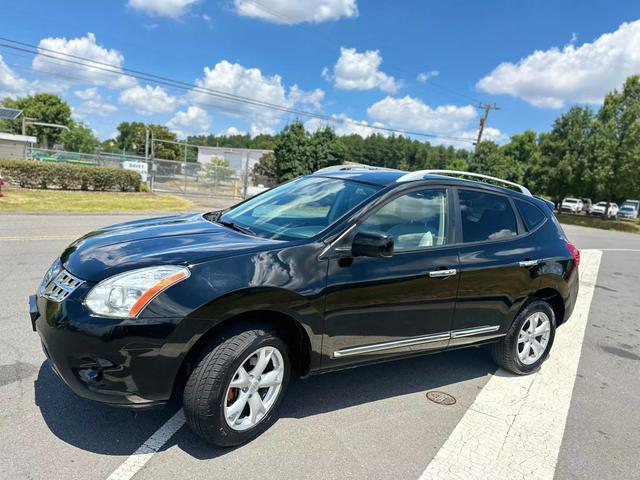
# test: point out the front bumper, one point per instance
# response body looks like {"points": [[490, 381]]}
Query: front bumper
{"points": [[129, 363]]}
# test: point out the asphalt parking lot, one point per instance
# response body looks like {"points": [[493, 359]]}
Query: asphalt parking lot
{"points": [[372, 422]]}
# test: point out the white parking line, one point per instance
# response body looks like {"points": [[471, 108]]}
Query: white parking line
{"points": [[515, 426], [140, 457], [620, 249]]}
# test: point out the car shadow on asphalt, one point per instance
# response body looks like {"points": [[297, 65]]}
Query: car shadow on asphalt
{"points": [[106, 430]]}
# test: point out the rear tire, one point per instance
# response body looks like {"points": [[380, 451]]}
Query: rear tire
{"points": [[226, 399], [529, 340]]}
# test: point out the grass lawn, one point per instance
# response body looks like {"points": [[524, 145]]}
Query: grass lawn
{"points": [[597, 222], [74, 201]]}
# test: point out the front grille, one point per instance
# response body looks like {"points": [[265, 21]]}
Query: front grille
{"points": [[62, 285]]}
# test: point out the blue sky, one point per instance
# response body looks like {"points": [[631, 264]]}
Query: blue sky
{"points": [[353, 59]]}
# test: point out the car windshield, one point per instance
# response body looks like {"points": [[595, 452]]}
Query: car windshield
{"points": [[628, 208], [570, 200], [298, 209], [601, 204]]}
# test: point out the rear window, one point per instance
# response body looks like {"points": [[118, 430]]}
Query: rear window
{"points": [[486, 216], [531, 215]]}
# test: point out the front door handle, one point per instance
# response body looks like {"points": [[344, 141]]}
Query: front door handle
{"points": [[443, 273], [529, 263]]}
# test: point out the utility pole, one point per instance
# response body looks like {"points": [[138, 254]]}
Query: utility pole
{"points": [[483, 120]]}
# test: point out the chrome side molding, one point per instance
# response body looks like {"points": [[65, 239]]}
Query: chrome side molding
{"points": [[411, 341], [377, 347], [469, 332]]}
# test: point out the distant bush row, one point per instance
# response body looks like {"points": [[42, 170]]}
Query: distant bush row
{"points": [[37, 174]]}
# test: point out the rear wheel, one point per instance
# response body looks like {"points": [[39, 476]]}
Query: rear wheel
{"points": [[529, 340], [234, 392]]}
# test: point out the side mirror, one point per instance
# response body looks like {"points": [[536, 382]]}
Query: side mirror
{"points": [[371, 244]]}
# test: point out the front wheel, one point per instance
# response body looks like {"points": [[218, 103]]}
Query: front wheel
{"points": [[529, 340], [234, 392]]}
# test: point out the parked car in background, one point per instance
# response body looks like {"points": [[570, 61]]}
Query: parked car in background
{"points": [[587, 206], [601, 207], [572, 205], [627, 212], [631, 209]]}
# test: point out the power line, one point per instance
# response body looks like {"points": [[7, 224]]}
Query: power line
{"points": [[166, 81]]}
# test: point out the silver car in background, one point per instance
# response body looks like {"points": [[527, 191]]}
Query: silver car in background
{"points": [[572, 205]]}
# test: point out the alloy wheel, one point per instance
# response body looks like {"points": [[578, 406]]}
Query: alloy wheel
{"points": [[533, 338], [254, 388]]}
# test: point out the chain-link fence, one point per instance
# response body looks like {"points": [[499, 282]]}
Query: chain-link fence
{"points": [[219, 172]]}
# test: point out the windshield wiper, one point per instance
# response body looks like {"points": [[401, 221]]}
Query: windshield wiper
{"points": [[236, 227]]}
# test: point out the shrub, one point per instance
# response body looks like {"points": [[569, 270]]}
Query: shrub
{"points": [[37, 174]]}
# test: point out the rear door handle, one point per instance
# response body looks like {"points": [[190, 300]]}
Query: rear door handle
{"points": [[443, 273], [529, 263]]}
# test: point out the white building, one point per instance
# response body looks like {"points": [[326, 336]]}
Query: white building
{"points": [[15, 146], [239, 158]]}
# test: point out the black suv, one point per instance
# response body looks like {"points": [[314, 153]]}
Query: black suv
{"points": [[339, 268]]}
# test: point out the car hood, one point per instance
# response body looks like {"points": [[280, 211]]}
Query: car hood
{"points": [[176, 240]]}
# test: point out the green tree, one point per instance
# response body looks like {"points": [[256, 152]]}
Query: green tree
{"points": [[132, 136], [490, 159], [614, 172], [265, 170], [325, 149], [565, 155], [41, 107], [79, 138], [292, 152], [218, 170]]}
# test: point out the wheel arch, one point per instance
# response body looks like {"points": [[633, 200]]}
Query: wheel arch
{"points": [[292, 331], [554, 298]]}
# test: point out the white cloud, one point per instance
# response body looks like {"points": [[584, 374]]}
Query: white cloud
{"points": [[85, 47], [413, 114], [11, 84], [424, 76], [343, 125], [256, 130], [235, 79], [163, 8], [192, 121], [360, 71], [92, 105], [306, 99], [582, 74], [231, 131], [87, 94], [290, 12], [466, 138], [148, 100]]}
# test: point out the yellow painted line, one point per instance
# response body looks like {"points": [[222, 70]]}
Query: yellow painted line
{"points": [[38, 238]]}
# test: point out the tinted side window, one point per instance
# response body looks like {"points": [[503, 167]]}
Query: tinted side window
{"points": [[485, 216], [414, 220], [531, 215]]}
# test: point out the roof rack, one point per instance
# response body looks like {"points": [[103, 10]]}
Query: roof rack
{"points": [[353, 166], [420, 174]]}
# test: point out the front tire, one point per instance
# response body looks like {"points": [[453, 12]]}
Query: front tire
{"points": [[528, 342], [233, 394]]}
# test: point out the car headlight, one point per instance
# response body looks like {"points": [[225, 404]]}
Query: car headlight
{"points": [[126, 294]]}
